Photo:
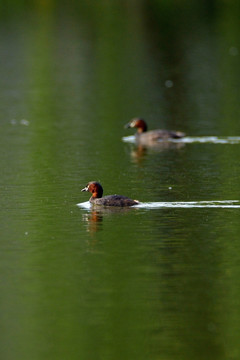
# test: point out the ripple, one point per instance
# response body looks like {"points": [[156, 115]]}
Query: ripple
{"points": [[224, 204], [85, 205], [191, 204], [192, 139]]}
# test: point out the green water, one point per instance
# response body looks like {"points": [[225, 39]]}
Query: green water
{"points": [[129, 284]]}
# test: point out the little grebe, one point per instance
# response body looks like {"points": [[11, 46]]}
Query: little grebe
{"points": [[144, 136], [111, 200]]}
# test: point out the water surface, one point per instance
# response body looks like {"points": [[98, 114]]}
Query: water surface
{"points": [[157, 281]]}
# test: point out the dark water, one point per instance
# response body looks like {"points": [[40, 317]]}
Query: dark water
{"points": [[144, 283]]}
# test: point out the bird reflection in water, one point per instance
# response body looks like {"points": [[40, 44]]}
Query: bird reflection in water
{"points": [[140, 151], [94, 218]]}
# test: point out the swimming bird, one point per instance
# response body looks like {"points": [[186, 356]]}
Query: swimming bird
{"points": [[96, 189], [144, 136]]}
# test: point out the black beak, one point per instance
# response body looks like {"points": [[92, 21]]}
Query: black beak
{"points": [[85, 189], [128, 125]]}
